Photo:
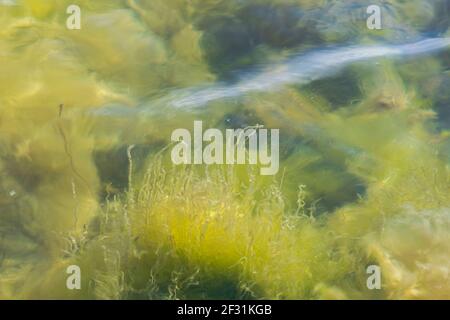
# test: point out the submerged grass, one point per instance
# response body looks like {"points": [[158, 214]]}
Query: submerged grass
{"points": [[364, 175], [189, 232]]}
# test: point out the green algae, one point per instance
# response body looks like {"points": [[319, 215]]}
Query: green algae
{"points": [[364, 175]]}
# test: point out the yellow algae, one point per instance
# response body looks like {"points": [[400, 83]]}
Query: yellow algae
{"points": [[40, 8], [86, 179]]}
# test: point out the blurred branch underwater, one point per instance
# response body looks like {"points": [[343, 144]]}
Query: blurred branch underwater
{"points": [[86, 177]]}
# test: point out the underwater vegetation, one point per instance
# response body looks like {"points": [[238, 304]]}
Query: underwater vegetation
{"points": [[86, 177]]}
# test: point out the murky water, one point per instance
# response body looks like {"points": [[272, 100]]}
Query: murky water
{"points": [[86, 177]]}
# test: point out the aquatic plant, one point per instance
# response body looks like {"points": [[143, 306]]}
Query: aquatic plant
{"points": [[85, 176]]}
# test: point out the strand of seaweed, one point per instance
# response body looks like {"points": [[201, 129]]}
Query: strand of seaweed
{"points": [[68, 151]]}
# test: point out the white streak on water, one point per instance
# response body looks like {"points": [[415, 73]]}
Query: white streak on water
{"points": [[300, 69], [8, 3]]}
